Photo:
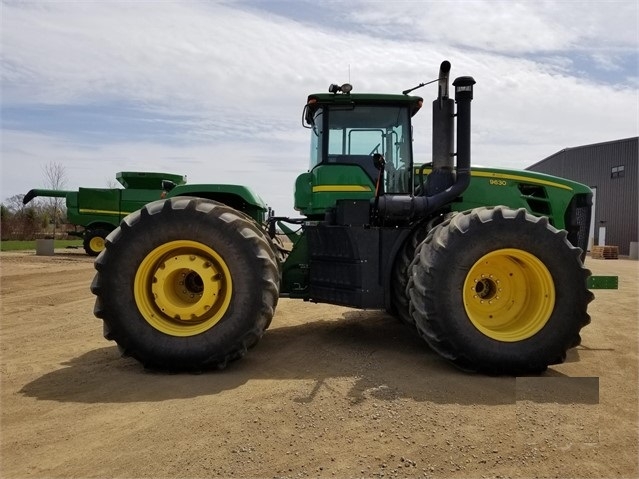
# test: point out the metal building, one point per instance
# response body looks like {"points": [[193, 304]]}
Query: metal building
{"points": [[610, 169]]}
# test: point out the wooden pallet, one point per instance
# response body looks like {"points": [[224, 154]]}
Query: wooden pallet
{"points": [[604, 252]]}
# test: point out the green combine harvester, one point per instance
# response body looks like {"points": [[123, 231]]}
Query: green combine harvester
{"points": [[98, 211], [485, 264]]}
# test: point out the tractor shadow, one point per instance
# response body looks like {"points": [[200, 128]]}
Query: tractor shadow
{"points": [[381, 358]]}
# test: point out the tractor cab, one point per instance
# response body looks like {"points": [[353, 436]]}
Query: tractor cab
{"points": [[361, 144]]}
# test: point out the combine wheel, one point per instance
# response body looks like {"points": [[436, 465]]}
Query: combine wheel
{"points": [[94, 241], [499, 291], [186, 284]]}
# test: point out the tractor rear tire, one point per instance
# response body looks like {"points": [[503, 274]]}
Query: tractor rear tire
{"points": [[400, 272], [94, 241], [186, 284], [499, 291]]}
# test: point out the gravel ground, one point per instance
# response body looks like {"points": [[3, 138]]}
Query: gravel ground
{"points": [[328, 392]]}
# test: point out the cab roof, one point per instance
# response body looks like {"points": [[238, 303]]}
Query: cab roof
{"points": [[415, 102]]}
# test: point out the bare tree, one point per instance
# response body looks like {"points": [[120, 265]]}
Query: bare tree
{"points": [[15, 204], [55, 177], [20, 221], [112, 184]]}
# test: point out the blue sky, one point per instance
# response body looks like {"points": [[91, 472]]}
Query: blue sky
{"points": [[215, 90]]}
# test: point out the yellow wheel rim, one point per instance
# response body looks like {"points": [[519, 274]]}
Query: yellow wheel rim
{"points": [[509, 295], [96, 244], [183, 288]]}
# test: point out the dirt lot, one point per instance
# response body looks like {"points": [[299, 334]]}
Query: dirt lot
{"points": [[328, 392]]}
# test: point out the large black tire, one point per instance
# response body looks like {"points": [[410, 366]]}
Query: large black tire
{"points": [[94, 241], [499, 291], [400, 272], [186, 284]]}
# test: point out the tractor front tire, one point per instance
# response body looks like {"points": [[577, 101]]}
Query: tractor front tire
{"points": [[499, 291], [186, 284], [94, 241]]}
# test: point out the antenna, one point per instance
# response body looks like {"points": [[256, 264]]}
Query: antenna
{"points": [[349, 73]]}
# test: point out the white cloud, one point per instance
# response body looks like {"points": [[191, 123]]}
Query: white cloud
{"points": [[232, 81], [505, 26]]}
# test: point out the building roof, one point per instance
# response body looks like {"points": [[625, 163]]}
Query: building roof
{"points": [[611, 142]]}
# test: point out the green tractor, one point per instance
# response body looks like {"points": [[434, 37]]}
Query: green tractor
{"points": [[485, 264]]}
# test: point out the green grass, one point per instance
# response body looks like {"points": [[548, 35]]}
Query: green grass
{"points": [[26, 245]]}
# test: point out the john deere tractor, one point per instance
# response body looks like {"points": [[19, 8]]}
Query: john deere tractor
{"points": [[485, 264]]}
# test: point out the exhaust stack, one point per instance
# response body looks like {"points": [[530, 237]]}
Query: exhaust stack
{"points": [[442, 175], [445, 183]]}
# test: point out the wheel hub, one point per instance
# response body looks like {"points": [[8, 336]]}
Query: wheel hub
{"points": [[97, 243], [486, 288], [178, 286], [509, 295], [183, 288]]}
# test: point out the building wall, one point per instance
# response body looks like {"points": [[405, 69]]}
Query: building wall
{"points": [[616, 194]]}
